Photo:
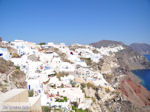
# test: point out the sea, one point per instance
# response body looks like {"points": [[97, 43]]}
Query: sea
{"points": [[144, 75]]}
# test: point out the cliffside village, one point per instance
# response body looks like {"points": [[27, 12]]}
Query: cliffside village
{"points": [[56, 73]]}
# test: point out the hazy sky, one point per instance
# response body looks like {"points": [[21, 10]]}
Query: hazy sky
{"points": [[75, 21]]}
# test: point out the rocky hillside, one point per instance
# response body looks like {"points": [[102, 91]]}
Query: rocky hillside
{"points": [[106, 43], [10, 76], [141, 48], [121, 77], [127, 57]]}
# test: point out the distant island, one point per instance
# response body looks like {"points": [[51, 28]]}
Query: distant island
{"points": [[141, 48]]}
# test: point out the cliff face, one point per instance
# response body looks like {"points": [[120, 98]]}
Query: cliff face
{"points": [[141, 48], [127, 56], [132, 59], [117, 71], [10, 76], [135, 92]]}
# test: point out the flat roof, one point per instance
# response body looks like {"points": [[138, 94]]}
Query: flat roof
{"points": [[10, 94]]}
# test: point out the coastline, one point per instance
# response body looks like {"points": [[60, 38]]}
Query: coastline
{"points": [[144, 76]]}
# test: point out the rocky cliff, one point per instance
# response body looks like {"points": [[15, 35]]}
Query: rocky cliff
{"points": [[117, 69], [141, 48], [126, 57]]}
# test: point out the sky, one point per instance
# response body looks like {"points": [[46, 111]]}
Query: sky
{"points": [[75, 21]]}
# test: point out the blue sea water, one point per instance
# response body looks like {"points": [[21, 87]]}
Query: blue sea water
{"points": [[144, 75], [147, 56]]}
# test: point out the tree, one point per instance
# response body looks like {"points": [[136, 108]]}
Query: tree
{"points": [[42, 43]]}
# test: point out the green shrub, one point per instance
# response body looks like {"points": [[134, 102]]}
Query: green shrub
{"points": [[107, 90], [91, 85], [88, 61], [65, 99], [15, 55], [83, 85], [93, 99], [30, 93], [79, 110], [18, 67], [42, 43], [46, 109]]}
